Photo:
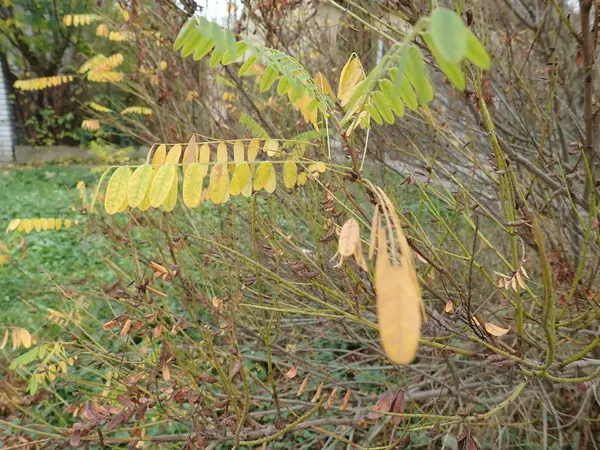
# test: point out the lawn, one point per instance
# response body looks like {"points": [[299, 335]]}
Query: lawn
{"points": [[44, 262]]}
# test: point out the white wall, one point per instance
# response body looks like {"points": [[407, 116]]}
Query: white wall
{"points": [[6, 128]]}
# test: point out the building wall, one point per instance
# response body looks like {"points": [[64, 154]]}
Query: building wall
{"points": [[6, 126]]}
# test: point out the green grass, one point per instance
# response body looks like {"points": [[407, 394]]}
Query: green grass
{"points": [[29, 281]]}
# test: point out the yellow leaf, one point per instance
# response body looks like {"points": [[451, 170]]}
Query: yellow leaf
{"points": [[222, 152], [139, 185], [240, 179], [51, 224], [398, 302], [253, 149], [37, 224], [159, 155], [322, 82], [146, 202], [218, 186], [271, 147], [24, 337], [302, 178], [13, 225], [290, 174], [3, 260], [349, 238], [162, 184], [4, 340], [58, 224], [321, 167], [116, 191], [191, 154], [238, 152], [68, 223], [174, 155], [192, 185], [204, 158], [171, 199], [351, 75], [265, 177], [374, 232], [495, 330], [28, 225]]}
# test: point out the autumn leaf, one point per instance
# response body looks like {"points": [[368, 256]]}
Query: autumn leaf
{"points": [[495, 330], [383, 405], [292, 372]]}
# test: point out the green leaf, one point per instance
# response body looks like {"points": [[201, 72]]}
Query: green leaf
{"points": [[218, 36], [191, 43], [268, 78], [297, 93], [206, 28], [383, 107], [405, 90], [240, 49], [26, 358], [374, 114], [283, 86], [231, 44], [452, 71], [33, 385], [417, 74], [184, 33], [449, 34], [476, 52], [202, 49], [400, 70], [248, 64], [387, 88], [215, 58]]}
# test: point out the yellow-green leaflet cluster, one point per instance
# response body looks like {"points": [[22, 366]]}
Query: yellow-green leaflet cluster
{"points": [[29, 225], [229, 168]]}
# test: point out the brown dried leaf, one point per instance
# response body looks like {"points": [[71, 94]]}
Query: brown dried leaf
{"points": [[349, 238], [346, 399], [303, 386], [383, 405], [398, 407], [449, 306], [292, 372], [110, 325], [235, 369], [374, 231], [126, 328], [166, 373], [331, 398], [359, 257], [495, 330], [398, 302], [75, 439], [318, 393], [115, 422], [158, 330]]}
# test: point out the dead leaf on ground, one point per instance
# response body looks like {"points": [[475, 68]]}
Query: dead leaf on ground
{"points": [[292, 372]]}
